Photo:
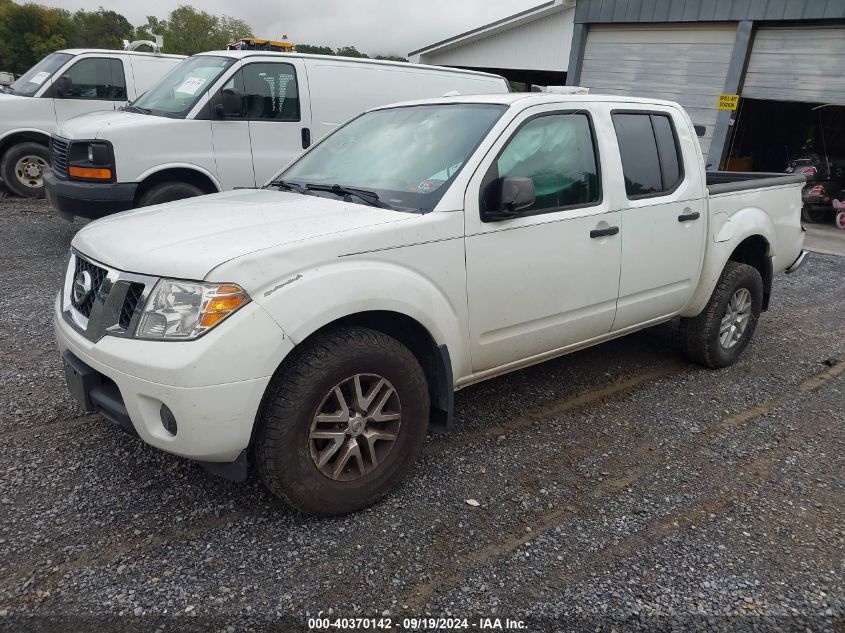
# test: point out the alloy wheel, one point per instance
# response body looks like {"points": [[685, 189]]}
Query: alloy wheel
{"points": [[736, 318], [355, 427]]}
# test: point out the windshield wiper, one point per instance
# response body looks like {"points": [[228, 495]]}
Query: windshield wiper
{"points": [[290, 186], [134, 108], [369, 197]]}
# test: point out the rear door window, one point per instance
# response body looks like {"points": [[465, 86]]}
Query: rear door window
{"points": [[649, 150]]}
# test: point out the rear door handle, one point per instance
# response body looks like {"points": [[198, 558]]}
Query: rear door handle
{"points": [[611, 230], [689, 217]]}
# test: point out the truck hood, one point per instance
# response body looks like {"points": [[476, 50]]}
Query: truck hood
{"points": [[100, 124], [188, 239]]}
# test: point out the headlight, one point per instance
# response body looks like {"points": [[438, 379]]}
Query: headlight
{"points": [[185, 310], [90, 160]]}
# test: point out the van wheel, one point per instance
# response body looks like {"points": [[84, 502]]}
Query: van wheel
{"points": [[168, 192], [342, 422], [23, 168], [840, 220], [718, 336]]}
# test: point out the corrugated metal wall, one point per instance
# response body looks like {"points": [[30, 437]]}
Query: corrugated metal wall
{"points": [[606, 11], [683, 63], [797, 64], [539, 45]]}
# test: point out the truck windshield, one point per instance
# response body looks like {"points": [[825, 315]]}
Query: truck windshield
{"points": [[408, 156], [178, 92], [30, 82]]}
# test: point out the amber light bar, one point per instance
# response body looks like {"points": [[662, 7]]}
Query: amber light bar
{"points": [[93, 173]]}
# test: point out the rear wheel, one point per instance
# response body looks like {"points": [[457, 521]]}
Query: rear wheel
{"points": [[718, 336], [342, 422], [168, 192], [23, 168], [840, 220]]}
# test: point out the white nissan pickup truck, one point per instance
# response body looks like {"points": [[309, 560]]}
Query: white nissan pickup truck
{"points": [[317, 327]]}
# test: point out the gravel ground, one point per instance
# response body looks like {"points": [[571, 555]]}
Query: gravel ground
{"points": [[619, 488]]}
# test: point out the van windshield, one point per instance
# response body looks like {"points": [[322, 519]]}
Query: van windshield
{"points": [[408, 156], [31, 81], [178, 92]]}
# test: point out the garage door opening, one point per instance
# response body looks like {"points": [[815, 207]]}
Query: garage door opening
{"points": [[772, 135]]}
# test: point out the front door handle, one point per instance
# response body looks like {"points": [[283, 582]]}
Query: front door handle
{"points": [[611, 230], [689, 216], [306, 138]]}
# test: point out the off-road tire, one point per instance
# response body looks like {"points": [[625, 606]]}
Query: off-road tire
{"points": [[11, 158], [282, 444], [700, 336], [169, 192]]}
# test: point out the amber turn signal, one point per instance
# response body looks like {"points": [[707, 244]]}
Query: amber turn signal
{"points": [[92, 173]]}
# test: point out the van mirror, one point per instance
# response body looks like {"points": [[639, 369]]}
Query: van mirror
{"points": [[231, 105], [510, 195], [63, 86]]}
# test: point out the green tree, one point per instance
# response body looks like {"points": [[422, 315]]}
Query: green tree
{"points": [[391, 58], [99, 29], [351, 51], [187, 31], [314, 50], [28, 32]]}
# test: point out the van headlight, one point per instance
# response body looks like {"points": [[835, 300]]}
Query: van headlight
{"points": [[185, 310]]}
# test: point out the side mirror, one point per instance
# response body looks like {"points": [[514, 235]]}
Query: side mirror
{"points": [[510, 195], [231, 106], [700, 130]]}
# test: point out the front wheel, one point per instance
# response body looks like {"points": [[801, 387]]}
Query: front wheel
{"points": [[342, 421], [718, 336], [23, 168], [168, 192], [840, 220]]}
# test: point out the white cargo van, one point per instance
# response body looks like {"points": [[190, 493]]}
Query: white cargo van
{"points": [[61, 86], [225, 120]]}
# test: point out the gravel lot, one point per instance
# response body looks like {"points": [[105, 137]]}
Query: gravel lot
{"points": [[619, 484]]}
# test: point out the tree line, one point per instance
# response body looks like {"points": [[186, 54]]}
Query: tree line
{"points": [[28, 32]]}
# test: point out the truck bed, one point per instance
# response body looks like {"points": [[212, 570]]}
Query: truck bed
{"points": [[731, 181]]}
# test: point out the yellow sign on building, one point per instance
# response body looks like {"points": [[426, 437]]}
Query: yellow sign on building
{"points": [[728, 102]]}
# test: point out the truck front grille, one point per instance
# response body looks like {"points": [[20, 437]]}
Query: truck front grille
{"points": [[84, 301], [98, 300], [130, 304], [58, 155]]}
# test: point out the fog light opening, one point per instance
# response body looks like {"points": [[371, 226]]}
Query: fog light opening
{"points": [[168, 420]]}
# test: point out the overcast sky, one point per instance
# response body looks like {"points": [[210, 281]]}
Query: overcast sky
{"points": [[372, 26]]}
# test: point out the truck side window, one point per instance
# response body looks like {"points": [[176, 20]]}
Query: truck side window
{"points": [[270, 92], [556, 151], [93, 78], [649, 150]]}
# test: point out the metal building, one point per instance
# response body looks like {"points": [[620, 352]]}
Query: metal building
{"points": [[775, 52], [530, 47]]}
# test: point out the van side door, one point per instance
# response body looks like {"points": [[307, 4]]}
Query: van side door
{"points": [[232, 146], [663, 214], [548, 277], [278, 113], [89, 84]]}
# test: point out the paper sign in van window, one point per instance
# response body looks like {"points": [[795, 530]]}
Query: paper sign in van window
{"points": [[191, 85], [39, 78]]}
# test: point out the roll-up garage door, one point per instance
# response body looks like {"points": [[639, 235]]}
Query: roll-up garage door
{"points": [[683, 63], [797, 64]]}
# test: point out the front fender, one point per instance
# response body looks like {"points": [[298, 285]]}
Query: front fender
{"points": [[727, 233], [307, 300]]}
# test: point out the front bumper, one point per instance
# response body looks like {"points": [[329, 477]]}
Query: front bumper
{"points": [[214, 421], [88, 199]]}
